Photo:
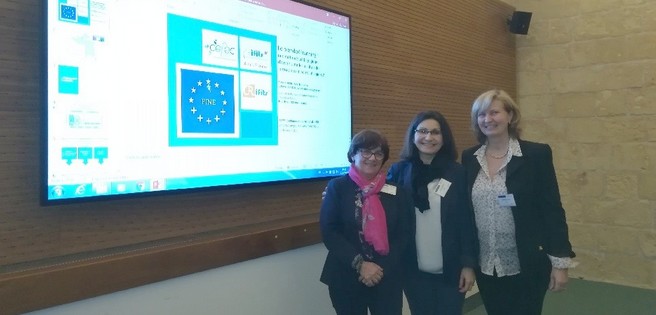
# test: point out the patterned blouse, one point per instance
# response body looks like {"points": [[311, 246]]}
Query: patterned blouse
{"points": [[495, 223], [496, 226]]}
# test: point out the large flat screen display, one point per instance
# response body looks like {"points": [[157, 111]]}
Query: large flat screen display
{"points": [[153, 96]]}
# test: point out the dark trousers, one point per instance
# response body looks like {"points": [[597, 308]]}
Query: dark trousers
{"points": [[429, 294], [386, 298], [512, 295]]}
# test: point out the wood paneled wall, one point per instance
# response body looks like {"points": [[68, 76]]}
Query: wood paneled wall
{"points": [[407, 56]]}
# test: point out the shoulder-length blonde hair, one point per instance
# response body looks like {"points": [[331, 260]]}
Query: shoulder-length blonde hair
{"points": [[483, 102]]}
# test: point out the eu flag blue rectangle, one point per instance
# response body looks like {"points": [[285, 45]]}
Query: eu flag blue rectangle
{"points": [[207, 102], [68, 12]]}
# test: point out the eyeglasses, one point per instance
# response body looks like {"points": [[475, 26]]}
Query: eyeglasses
{"points": [[379, 155], [424, 132]]}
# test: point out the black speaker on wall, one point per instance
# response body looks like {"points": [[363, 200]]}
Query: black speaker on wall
{"points": [[519, 22]]}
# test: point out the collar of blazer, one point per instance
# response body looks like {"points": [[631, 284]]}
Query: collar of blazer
{"points": [[471, 163]]}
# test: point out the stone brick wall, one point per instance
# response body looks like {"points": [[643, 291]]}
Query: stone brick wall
{"points": [[587, 85]]}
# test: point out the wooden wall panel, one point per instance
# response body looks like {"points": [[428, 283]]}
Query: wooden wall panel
{"points": [[407, 56]]}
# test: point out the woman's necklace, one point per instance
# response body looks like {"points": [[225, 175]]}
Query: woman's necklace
{"points": [[496, 156]]}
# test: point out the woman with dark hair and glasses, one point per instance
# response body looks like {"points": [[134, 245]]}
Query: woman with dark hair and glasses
{"points": [[364, 225], [442, 253]]}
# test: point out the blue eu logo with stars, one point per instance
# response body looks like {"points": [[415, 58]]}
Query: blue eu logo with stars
{"points": [[68, 13], [207, 102]]}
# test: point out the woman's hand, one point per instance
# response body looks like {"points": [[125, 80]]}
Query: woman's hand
{"points": [[370, 273], [558, 280], [467, 278]]}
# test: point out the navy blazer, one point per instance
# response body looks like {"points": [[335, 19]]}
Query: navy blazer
{"points": [[540, 224], [340, 233], [459, 240]]}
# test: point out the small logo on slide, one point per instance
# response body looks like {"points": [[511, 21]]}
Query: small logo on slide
{"points": [[252, 91], [220, 49], [207, 102], [255, 53], [68, 13]]}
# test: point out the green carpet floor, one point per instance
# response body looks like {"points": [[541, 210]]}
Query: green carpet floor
{"points": [[584, 297]]}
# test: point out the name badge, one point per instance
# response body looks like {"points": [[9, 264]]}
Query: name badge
{"points": [[442, 187], [506, 200], [389, 189]]}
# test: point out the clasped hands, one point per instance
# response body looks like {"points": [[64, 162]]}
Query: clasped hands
{"points": [[370, 273]]}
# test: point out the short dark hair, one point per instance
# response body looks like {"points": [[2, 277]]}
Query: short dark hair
{"points": [[368, 139], [448, 150]]}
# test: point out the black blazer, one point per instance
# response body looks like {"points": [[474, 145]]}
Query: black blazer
{"points": [[340, 234], [540, 225], [459, 240]]}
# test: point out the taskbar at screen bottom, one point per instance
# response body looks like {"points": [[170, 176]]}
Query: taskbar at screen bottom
{"points": [[111, 188]]}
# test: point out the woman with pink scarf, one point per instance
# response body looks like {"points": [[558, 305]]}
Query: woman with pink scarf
{"points": [[365, 226]]}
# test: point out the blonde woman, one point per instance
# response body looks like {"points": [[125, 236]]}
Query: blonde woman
{"points": [[522, 231]]}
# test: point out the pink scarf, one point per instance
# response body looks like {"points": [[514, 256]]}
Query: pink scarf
{"points": [[374, 224]]}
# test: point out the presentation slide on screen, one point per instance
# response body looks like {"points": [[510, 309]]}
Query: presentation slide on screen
{"points": [[157, 95]]}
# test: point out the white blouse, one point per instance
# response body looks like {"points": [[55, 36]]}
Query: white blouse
{"points": [[429, 233], [495, 223]]}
